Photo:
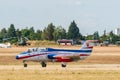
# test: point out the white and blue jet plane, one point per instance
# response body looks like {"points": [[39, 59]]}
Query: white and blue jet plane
{"points": [[44, 55]]}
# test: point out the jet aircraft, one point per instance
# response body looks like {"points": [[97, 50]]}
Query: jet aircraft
{"points": [[44, 55]]}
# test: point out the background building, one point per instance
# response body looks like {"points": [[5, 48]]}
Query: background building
{"points": [[117, 31]]}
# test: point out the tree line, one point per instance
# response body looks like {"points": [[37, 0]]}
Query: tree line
{"points": [[53, 33]]}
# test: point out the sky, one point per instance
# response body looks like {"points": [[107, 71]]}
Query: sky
{"points": [[89, 15]]}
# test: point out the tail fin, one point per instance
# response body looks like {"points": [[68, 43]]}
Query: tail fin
{"points": [[86, 44]]}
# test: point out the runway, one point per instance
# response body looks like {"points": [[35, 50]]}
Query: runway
{"points": [[103, 64], [102, 58], [58, 67]]}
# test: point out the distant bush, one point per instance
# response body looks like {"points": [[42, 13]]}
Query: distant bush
{"points": [[42, 43], [118, 43]]}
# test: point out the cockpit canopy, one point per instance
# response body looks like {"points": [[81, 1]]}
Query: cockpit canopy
{"points": [[38, 49]]}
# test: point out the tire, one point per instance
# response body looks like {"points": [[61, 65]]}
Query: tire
{"points": [[25, 65], [63, 65], [43, 64]]}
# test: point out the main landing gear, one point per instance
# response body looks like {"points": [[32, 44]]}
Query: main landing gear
{"points": [[63, 65], [43, 64]]}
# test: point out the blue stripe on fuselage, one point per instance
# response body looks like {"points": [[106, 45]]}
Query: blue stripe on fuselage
{"points": [[50, 49]]}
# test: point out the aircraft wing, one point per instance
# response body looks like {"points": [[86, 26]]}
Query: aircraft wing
{"points": [[66, 57]]}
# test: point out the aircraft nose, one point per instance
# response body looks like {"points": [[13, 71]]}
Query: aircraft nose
{"points": [[17, 57]]}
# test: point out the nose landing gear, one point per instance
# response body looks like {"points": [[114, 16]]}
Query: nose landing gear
{"points": [[25, 64]]}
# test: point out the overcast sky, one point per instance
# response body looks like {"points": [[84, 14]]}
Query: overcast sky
{"points": [[90, 15]]}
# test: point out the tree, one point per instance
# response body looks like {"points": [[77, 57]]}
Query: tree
{"points": [[63, 33], [96, 35], [18, 33], [73, 31], [47, 33], [50, 30], [11, 31], [11, 34], [104, 37], [44, 34], [32, 33], [89, 37], [25, 32], [38, 34], [112, 36], [59, 33], [3, 34]]}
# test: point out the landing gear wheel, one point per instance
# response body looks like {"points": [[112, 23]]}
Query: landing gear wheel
{"points": [[63, 65], [25, 65], [43, 64]]}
